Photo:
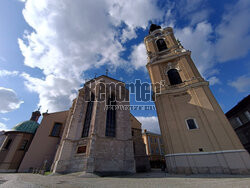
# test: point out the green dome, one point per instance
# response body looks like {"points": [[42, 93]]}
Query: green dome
{"points": [[26, 126]]}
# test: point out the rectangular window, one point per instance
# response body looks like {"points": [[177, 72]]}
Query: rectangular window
{"points": [[7, 145], [247, 114], [191, 124], [111, 117], [238, 121], [81, 149], [56, 130], [87, 121], [24, 145]]}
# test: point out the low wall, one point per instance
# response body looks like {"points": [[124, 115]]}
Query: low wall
{"points": [[217, 162]]}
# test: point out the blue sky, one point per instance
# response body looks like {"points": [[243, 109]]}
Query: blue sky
{"points": [[49, 48]]}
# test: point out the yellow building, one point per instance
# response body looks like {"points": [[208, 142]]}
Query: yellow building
{"points": [[154, 148], [195, 131]]}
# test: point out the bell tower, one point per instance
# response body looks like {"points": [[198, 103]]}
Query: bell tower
{"points": [[197, 135]]}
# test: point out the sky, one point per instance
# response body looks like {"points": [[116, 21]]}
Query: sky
{"points": [[48, 49]]}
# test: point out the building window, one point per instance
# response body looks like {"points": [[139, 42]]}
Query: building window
{"points": [[24, 145], [56, 129], [111, 117], [238, 121], [88, 116], [191, 123], [81, 149], [7, 145], [174, 77], [132, 133], [161, 45], [247, 114]]}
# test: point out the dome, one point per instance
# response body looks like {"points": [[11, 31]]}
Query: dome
{"points": [[26, 126]]}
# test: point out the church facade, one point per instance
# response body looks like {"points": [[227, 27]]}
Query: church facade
{"points": [[197, 136], [91, 137]]}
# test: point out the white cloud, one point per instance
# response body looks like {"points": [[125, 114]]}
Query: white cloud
{"points": [[190, 11], [197, 40], [138, 56], [5, 119], [8, 73], [128, 34], [234, 32], [3, 127], [71, 38], [242, 83], [213, 80], [149, 123], [134, 13], [9, 100]]}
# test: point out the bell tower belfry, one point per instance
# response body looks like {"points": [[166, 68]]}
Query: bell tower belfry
{"points": [[197, 135]]}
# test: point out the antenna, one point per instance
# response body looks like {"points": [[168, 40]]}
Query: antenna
{"points": [[107, 71]]}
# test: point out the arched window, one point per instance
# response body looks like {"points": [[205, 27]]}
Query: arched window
{"points": [[85, 131], [161, 45], [111, 117], [174, 77]]}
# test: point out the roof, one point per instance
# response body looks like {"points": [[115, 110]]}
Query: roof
{"points": [[26, 126], [153, 27], [242, 104], [150, 133], [102, 77]]}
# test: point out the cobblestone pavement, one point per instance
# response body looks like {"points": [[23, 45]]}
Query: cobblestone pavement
{"points": [[144, 180]]}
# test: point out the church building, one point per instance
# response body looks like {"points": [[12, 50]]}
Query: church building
{"points": [[197, 136], [93, 136]]}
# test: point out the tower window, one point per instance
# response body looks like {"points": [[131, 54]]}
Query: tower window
{"points": [[191, 123], [56, 129], [87, 120], [161, 45], [7, 145], [111, 117], [174, 77]]}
